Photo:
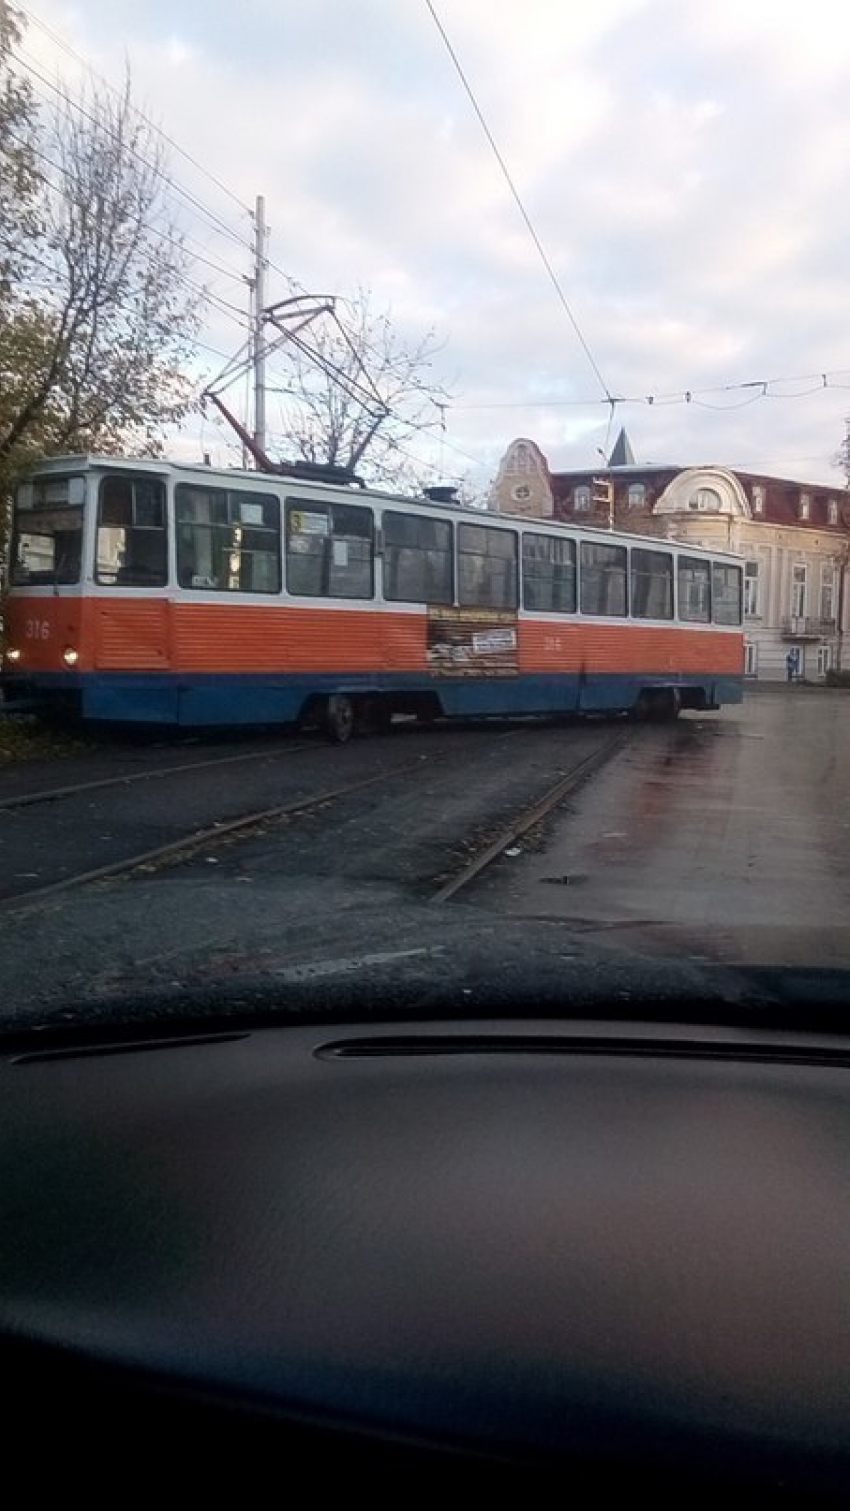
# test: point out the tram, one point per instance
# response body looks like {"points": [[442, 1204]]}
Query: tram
{"points": [[155, 592]]}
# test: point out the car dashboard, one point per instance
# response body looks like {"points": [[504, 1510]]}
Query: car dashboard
{"points": [[614, 1252]]}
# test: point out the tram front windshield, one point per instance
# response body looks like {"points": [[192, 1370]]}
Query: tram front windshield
{"points": [[47, 533]]}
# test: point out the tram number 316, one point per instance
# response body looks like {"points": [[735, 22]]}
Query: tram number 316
{"points": [[38, 629]]}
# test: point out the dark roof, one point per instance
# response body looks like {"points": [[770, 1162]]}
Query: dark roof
{"points": [[634, 469], [782, 496], [782, 502], [622, 455]]}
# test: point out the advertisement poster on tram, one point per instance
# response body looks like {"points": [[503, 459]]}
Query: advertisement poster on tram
{"points": [[472, 642]]}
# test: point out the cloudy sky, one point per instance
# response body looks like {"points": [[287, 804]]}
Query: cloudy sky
{"points": [[683, 166]]}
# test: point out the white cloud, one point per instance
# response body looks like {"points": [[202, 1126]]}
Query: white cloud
{"points": [[684, 166], [177, 52]]}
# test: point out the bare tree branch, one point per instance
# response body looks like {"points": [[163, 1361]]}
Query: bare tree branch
{"points": [[325, 420], [98, 359]]}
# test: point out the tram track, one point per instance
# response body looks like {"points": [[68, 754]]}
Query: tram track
{"points": [[15, 801], [154, 773], [209, 834], [528, 817], [185, 848], [61, 841]]}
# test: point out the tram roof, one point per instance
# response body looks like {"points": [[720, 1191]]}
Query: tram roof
{"points": [[94, 461]]}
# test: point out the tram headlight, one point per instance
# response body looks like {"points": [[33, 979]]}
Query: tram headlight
{"points": [[12, 655], [70, 656]]}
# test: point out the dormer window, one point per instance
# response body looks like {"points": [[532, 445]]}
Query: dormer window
{"points": [[758, 498], [805, 505], [705, 500]]}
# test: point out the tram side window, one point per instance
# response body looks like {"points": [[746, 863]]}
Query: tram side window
{"points": [[548, 574], [726, 594], [329, 550], [486, 567], [228, 540], [694, 590], [417, 558], [132, 544], [603, 579], [651, 584]]}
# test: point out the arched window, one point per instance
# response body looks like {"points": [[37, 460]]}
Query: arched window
{"points": [[581, 498], [706, 500]]}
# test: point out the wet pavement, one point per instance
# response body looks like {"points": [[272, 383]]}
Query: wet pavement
{"points": [[722, 837], [707, 860], [402, 808]]}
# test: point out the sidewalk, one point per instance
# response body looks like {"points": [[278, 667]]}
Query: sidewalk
{"points": [[789, 688]]}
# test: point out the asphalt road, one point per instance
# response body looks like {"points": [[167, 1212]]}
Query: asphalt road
{"points": [[727, 840], [388, 820], [699, 851], [404, 807]]}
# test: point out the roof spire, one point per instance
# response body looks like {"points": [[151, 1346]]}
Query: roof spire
{"points": [[622, 455]]}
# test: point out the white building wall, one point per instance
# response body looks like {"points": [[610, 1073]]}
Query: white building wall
{"points": [[778, 549]]}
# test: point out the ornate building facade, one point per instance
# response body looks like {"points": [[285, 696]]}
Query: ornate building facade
{"points": [[794, 539]]}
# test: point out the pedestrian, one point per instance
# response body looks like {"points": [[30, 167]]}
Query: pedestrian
{"points": [[791, 664]]}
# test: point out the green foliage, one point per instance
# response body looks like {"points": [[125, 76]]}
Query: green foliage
{"points": [[96, 323], [26, 738], [18, 171]]}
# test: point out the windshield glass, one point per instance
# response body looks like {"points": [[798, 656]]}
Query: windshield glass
{"points": [[425, 743], [132, 548], [47, 533], [425, 551]]}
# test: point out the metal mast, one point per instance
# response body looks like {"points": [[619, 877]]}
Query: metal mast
{"points": [[258, 334]]}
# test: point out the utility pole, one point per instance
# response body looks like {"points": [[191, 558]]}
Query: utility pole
{"points": [[258, 333]]}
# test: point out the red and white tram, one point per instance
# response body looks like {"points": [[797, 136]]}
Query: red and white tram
{"points": [[151, 591]]}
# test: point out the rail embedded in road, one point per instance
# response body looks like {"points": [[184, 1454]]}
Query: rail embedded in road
{"points": [[531, 816], [62, 850]]}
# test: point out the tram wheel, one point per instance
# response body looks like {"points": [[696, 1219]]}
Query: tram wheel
{"points": [[657, 706], [340, 718], [670, 706]]}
